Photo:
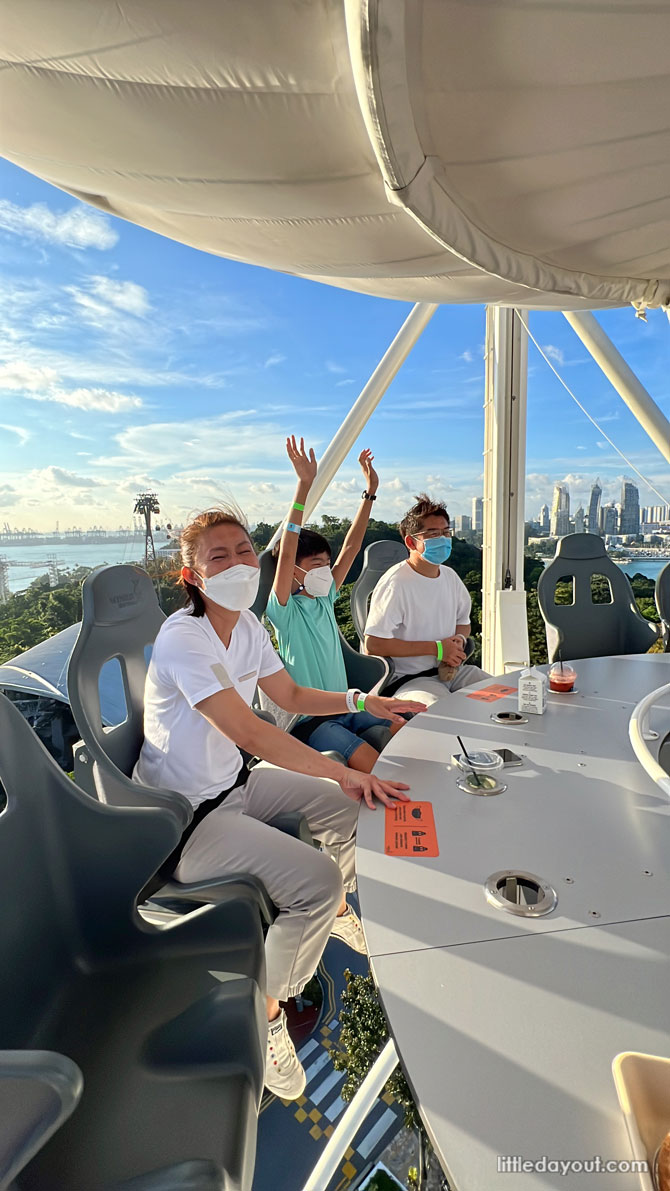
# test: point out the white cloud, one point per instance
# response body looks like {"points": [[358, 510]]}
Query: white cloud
{"points": [[123, 295], [227, 441], [345, 486], [468, 356], [60, 478], [331, 366], [8, 496], [348, 381], [581, 448], [264, 489], [396, 485], [274, 359], [77, 228], [554, 353], [40, 384], [22, 434]]}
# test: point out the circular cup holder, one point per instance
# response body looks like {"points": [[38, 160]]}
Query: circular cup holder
{"points": [[511, 718], [521, 893], [486, 785]]}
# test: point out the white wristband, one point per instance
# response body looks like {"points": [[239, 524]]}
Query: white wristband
{"points": [[351, 697]]}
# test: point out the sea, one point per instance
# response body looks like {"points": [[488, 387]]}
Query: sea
{"points": [[27, 563]]}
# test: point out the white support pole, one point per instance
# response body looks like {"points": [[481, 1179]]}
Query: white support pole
{"points": [[353, 1118], [504, 623], [365, 405], [624, 380]]}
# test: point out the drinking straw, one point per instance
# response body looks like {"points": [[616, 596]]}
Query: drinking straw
{"points": [[465, 754]]}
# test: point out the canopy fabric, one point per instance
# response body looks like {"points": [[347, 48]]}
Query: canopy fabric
{"points": [[504, 151]]}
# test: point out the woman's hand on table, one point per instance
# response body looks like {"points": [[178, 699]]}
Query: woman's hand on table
{"points": [[364, 787]]}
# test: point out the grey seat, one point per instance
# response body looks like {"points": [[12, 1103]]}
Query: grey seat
{"points": [[120, 619], [166, 1027], [379, 557], [663, 604], [584, 629], [364, 672]]}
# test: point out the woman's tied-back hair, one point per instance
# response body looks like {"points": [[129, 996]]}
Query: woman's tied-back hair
{"points": [[188, 543], [413, 520]]}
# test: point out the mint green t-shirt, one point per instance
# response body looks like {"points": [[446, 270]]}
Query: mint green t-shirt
{"points": [[308, 639]]}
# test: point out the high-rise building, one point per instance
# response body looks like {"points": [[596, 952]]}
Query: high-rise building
{"points": [[544, 518], [579, 520], [462, 524], [560, 511], [478, 514], [630, 508], [593, 521], [609, 519]]}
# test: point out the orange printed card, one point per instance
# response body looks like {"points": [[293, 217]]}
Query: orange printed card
{"points": [[410, 830], [492, 692]]}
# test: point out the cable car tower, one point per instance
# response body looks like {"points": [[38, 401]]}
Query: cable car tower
{"points": [[145, 505]]}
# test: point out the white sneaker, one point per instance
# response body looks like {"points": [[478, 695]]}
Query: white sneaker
{"points": [[284, 1073], [348, 928]]}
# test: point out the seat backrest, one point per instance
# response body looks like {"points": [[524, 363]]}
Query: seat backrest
{"points": [[582, 628], [378, 558], [268, 566], [120, 619], [71, 872], [663, 603]]}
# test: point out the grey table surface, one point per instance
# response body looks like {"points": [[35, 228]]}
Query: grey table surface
{"points": [[507, 1026]]}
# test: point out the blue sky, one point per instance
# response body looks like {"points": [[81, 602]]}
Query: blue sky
{"points": [[128, 361]]}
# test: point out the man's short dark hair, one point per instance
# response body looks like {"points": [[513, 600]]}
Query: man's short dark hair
{"points": [[412, 522], [309, 543]]}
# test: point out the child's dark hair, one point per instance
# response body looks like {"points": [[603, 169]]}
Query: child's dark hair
{"points": [[413, 520], [309, 543]]}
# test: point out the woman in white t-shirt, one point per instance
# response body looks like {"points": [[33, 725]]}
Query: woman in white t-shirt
{"points": [[206, 663]]}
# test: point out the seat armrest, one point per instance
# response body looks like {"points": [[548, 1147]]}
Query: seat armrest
{"points": [[39, 1090], [196, 1175], [293, 823], [183, 896]]}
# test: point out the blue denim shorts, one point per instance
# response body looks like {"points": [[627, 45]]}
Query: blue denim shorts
{"points": [[343, 733]]}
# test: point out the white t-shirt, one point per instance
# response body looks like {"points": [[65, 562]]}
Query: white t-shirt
{"points": [[181, 750], [417, 607]]}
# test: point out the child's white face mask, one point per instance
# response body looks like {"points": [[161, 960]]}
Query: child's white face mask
{"points": [[317, 582]]}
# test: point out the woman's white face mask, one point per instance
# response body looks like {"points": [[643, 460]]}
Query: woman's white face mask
{"points": [[234, 589], [318, 581]]}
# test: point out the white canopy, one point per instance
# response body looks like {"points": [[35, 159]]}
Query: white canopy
{"points": [[502, 151]]}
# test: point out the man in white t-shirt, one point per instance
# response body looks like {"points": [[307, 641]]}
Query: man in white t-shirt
{"points": [[420, 611]]}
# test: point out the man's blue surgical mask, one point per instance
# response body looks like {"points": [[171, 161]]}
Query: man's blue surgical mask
{"points": [[436, 550]]}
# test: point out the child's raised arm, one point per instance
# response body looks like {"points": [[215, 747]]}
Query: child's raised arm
{"points": [[304, 465]]}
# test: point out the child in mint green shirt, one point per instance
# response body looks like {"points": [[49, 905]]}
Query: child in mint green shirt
{"points": [[301, 610]]}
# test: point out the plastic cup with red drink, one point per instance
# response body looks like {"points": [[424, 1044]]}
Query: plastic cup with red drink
{"points": [[562, 678]]}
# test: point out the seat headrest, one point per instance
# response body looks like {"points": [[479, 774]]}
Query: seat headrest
{"points": [[114, 594], [381, 556], [581, 546]]}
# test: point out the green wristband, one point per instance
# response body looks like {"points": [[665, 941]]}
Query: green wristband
{"points": [[299, 508], [360, 702], [440, 650]]}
